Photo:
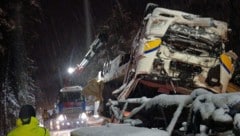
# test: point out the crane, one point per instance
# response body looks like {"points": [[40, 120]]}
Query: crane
{"points": [[96, 45]]}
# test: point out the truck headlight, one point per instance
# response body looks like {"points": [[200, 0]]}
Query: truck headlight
{"points": [[83, 116], [61, 117], [68, 123]]}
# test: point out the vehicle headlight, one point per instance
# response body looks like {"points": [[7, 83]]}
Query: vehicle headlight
{"points": [[61, 117], [68, 123], [83, 116]]}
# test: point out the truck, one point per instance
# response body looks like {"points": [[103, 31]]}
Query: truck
{"points": [[177, 61], [73, 111], [70, 108], [175, 52]]}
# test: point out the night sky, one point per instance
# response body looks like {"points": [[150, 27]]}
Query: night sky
{"points": [[64, 39]]}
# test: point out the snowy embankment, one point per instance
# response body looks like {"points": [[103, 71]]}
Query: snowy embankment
{"points": [[118, 130]]}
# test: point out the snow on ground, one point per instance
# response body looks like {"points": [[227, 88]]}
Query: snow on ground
{"points": [[61, 133], [118, 130]]}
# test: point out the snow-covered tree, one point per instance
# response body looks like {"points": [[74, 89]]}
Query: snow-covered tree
{"points": [[17, 85]]}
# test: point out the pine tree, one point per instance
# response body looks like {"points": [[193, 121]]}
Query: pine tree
{"points": [[16, 37]]}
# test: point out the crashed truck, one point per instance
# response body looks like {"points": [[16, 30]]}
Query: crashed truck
{"points": [[178, 63], [176, 52]]}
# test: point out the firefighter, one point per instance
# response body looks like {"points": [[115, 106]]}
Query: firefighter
{"points": [[28, 124]]}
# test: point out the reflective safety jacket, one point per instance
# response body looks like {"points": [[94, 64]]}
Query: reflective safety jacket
{"points": [[31, 129]]}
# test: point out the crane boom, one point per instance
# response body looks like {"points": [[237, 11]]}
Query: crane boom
{"points": [[96, 45]]}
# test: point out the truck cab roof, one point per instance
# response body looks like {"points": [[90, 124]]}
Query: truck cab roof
{"points": [[71, 89]]}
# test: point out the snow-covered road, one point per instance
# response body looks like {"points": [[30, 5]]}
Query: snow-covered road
{"points": [[61, 133]]}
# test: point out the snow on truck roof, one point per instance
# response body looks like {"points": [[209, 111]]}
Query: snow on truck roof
{"points": [[71, 89], [161, 18]]}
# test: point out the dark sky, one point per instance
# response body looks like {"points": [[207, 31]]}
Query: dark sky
{"points": [[62, 39]]}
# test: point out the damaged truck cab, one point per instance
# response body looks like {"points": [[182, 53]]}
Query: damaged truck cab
{"points": [[175, 52], [178, 63]]}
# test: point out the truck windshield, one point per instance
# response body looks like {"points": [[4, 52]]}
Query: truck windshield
{"points": [[71, 97], [71, 100]]}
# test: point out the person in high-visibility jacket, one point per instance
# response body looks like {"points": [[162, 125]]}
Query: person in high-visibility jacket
{"points": [[27, 124]]}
